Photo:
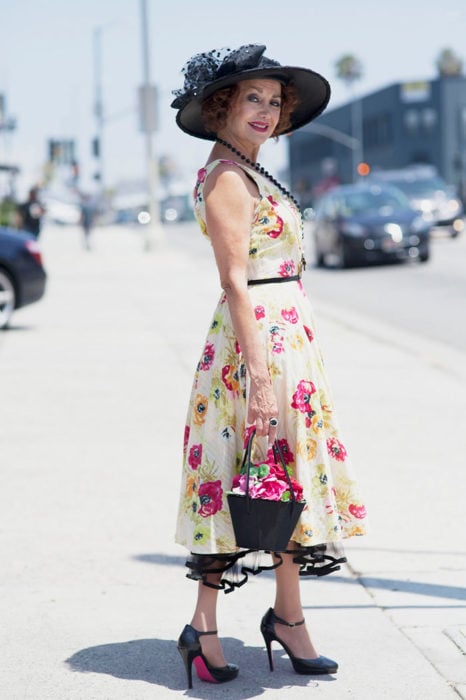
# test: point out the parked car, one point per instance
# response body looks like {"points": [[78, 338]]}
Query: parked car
{"points": [[368, 223], [428, 193], [22, 275]]}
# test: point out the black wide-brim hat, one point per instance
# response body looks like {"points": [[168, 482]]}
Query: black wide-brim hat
{"points": [[206, 73]]}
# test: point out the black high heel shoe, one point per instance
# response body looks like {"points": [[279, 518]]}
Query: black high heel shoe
{"points": [[190, 649], [310, 667]]}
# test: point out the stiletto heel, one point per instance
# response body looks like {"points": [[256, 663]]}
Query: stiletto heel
{"points": [[268, 644], [190, 650], [311, 667]]}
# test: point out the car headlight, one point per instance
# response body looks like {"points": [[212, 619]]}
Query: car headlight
{"points": [[420, 223], [395, 231], [454, 206]]}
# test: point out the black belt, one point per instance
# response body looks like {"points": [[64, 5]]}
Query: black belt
{"points": [[274, 280]]}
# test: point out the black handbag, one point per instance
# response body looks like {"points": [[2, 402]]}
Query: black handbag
{"points": [[259, 523]]}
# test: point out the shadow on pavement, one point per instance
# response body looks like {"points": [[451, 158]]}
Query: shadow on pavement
{"points": [[400, 551], [403, 586], [15, 327], [166, 559], [157, 661], [436, 590]]}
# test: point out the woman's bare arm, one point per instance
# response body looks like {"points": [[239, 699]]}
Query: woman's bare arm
{"points": [[230, 199]]}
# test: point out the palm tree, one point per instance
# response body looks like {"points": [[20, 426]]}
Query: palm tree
{"points": [[449, 64], [349, 70]]}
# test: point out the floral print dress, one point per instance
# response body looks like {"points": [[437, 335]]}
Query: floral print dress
{"points": [[216, 428]]}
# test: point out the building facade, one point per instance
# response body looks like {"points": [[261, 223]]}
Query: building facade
{"points": [[400, 125]]}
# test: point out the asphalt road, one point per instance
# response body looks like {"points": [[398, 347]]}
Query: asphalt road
{"points": [[427, 299]]}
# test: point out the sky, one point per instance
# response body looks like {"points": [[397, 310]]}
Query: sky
{"points": [[48, 79]]}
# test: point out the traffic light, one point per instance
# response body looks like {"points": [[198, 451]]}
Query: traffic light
{"points": [[61, 151], [363, 169], [96, 147]]}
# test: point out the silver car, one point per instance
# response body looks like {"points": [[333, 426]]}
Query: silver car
{"points": [[429, 194]]}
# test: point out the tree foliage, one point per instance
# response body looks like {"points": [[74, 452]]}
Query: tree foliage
{"points": [[349, 69], [449, 64]]}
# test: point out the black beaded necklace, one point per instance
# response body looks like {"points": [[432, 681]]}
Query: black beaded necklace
{"points": [[262, 171], [259, 169]]}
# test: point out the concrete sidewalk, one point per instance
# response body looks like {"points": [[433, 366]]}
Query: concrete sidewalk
{"points": [[94, 383]]}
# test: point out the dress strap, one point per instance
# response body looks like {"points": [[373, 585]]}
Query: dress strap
{"points": [[249, 172]]}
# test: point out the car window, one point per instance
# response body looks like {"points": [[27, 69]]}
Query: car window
{"points": [[420, 187], [373, 200]]}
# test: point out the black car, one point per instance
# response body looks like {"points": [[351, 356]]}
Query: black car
{"points": [[22, 275], [368, 223]]}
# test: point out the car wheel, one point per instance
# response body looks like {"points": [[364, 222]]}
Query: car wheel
{"points": [[345, 258], [319, 258], [7, 298], [424, 254]]}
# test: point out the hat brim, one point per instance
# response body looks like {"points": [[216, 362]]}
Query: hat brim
{"points": [[313, 92]]}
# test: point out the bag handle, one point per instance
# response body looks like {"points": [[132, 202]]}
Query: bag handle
{"points": [[278, 455]]}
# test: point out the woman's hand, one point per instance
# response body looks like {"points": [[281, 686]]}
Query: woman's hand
{"points": [[262, 407]]}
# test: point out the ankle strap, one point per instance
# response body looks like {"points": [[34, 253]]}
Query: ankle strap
{"points": [[288, 624], [201, 634]]}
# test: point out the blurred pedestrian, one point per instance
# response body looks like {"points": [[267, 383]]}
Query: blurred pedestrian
{"points": [[88, 213], [30, 213], [329, 180], [261, 367]]}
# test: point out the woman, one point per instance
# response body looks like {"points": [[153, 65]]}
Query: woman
{"points": [[261, 366]]}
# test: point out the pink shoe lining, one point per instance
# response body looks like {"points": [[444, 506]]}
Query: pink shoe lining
{"points": [[202, 670]]}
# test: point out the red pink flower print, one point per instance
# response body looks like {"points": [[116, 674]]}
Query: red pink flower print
{"points": [[259, 312], [358, 511], [290, 315], [210, 496], [187, 430], [201, 176], [302, 399], [247, 434], [287, 268], [336, 449], [288, 456], [230, 377], [195, 456], [207, 357], [309, 333]]}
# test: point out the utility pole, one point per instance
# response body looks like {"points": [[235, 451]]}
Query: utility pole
{"points": [[98, 146], [154, 233], [7, 123], [356, 130]]}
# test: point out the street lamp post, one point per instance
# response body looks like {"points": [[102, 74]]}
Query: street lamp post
{"points": [[356, 130], [154, 233], [99, 109], [349, 70]]}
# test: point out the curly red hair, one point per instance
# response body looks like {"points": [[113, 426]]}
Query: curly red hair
{"points": [[215, 108]]}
